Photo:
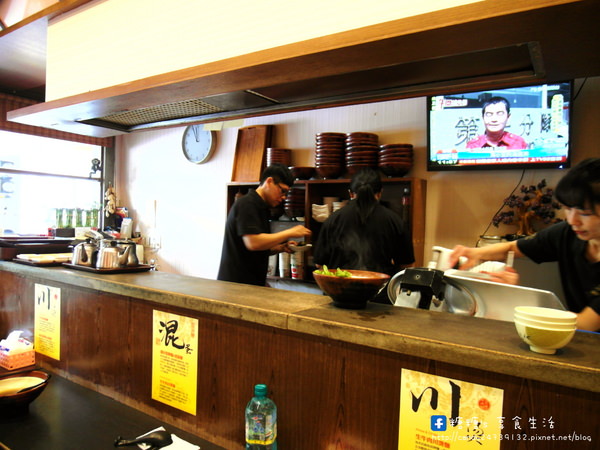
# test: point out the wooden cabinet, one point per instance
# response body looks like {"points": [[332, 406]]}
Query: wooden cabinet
{"points": [[394, 189]]}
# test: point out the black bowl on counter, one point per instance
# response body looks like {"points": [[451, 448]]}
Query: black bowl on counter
{"points": [[18, 390]]}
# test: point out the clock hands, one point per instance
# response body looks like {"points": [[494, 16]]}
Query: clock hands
{"points": [[195, 129]]}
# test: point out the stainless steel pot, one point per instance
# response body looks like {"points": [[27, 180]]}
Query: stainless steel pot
{"points": [[112, 256], [84, 254], [130, 247]]}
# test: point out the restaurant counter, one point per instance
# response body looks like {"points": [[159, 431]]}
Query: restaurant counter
{"points": [[291, 340]]}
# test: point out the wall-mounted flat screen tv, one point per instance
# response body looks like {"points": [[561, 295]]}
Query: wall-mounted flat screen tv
{"points": [[512, 128]]}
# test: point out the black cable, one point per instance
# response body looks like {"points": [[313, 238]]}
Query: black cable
{"points": [[579, 90], [523, 173], [503, 204]]}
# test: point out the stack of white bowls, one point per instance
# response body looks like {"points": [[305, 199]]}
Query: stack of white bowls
{"points": [[338, 205], [544, 329], [320, 212]]}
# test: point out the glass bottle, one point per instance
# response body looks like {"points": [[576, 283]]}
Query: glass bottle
{"points": [[69, 221], [79, 217], [95, 216], [59, 218], [406, 207]]}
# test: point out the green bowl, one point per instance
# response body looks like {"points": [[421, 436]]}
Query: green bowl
{"points": [[542, 339]]}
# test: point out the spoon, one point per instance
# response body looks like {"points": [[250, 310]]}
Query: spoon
{"points": [[156, 439], [28, 388]]}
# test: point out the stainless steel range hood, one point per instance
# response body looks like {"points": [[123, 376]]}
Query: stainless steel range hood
{"points": [[400, 80]]}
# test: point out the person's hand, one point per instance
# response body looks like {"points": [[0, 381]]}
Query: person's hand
{"points": [[460, 251], [286, 246], [299, 231], [282, 248], [507, 276]]}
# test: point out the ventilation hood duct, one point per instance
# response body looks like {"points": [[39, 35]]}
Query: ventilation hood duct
{"points": [[518, 62]]}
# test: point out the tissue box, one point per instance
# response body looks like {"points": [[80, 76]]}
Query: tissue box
{"points": [[11, 360]]}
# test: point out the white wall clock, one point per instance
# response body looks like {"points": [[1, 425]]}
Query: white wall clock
{"points": [[198, 144]]}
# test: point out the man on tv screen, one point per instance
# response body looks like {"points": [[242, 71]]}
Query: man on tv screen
{"points": [[495, 113]]}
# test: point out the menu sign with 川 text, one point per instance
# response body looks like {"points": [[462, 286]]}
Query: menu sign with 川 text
{"points": [[46, 339], [438, 413], [175, 360]]}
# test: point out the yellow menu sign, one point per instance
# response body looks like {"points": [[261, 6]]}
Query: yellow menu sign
{"points": [[442, 413], [46, 339], [175, 360]]}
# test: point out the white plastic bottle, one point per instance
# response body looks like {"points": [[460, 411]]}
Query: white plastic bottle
{"points": [[261, 421]]}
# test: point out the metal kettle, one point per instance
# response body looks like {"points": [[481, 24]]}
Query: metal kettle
{"points": [[130, 246], [111, 256], [84, 254]]}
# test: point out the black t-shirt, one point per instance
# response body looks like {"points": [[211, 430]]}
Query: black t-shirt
{"points": [[580, 278], [248, 215], [379, 245]]}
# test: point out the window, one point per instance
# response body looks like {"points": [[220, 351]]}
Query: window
{"points": [[39, 175]]}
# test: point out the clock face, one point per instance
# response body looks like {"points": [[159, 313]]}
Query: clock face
{"points": [[198, 144]]}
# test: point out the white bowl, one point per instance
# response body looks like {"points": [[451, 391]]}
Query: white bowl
{"points": [[544, 340], [320, 217], [544, 323], [547, 314]]}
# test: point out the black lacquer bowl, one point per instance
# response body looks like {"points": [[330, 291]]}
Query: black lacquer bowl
{"points": [[17, 403]]}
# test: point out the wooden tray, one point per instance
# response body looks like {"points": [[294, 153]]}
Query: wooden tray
{"points": [[37, 263], [250, 148], [140, 268]]}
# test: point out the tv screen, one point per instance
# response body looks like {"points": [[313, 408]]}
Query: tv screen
{"points": [[511, 128]]}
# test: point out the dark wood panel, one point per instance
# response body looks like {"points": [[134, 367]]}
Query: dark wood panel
{"points": [[16, 304], [329, 394]]}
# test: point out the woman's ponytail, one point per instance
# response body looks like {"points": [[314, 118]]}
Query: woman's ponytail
{"points": [[365, 184]]}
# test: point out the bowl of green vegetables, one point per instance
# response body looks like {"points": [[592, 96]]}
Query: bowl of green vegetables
{"points": [[350, 289]]}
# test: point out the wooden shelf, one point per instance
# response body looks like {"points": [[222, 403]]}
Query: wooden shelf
{"points": [[316, 189]]}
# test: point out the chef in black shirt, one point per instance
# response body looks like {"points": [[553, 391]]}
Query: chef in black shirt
{"points": [[248, 241]]}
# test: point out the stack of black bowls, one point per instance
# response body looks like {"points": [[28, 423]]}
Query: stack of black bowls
{"points": [[395, 160], [361, 151], [329, 154], [278, 155], [293, 205]]}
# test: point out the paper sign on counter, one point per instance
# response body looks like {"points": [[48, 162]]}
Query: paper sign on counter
{"points": [[438, 413], [175, 360], [46, 338]]}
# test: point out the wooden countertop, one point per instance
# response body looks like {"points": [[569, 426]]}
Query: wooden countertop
{"points": [[479, 343]]}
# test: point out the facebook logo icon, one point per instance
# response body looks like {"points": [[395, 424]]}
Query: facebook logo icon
{"points": [[438, 423]]}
